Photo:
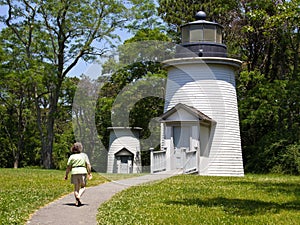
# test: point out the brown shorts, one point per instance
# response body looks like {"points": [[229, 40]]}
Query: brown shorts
{"points": [[78, 179]]}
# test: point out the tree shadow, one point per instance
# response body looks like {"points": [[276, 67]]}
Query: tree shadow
{"points": [[290, 188], [239, 207]]}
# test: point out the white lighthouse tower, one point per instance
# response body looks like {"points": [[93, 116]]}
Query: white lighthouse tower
{"points": [[200, 124]]}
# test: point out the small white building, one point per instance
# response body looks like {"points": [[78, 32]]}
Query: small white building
{"points": [[200, 125], [124, 150]]}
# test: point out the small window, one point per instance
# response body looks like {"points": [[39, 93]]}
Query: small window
{"points": [[201, 33], [210, 33], [192, 33], [219, 35], [196, 33], [185, 33], [124, 159]]}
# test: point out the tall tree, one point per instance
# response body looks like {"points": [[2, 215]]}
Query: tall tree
{"points": [[15, 98], [268, 93], [58, 34]]}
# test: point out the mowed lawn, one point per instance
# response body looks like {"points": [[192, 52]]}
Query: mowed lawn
{"points": [[185, 199], [190, 199], [22, 191]]}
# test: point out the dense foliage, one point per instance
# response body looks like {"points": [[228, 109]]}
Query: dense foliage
{"points": [[41, 43]]}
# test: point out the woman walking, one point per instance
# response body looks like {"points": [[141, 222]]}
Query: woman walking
{"points": [[80, 167]]}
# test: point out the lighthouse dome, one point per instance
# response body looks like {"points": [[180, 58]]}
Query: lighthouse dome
{"points": [[201, 38]]}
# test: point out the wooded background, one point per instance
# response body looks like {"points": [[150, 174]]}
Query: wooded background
{"points": [[41, 41]]}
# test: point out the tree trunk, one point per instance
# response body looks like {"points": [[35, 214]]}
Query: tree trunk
{"points": [[16, 163], [47, 156], [48, 145], [46, 129], [19, 149], [47, 161]]}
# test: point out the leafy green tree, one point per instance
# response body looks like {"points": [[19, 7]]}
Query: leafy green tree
{"points": [[146, 16], [267, 88], [17, 104], [53, 37]]}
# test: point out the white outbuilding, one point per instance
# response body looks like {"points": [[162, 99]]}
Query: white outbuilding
{"points": [[124, 150]]}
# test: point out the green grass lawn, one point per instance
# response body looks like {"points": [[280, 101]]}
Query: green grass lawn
{"points": [[22, 191], [188, 199]]}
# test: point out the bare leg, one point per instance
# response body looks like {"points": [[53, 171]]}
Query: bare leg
{"points": [[82, 186], [81, 191], [76, 190], [76, 193]]}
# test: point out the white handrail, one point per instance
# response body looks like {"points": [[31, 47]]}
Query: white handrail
{"points": [[158, 161]]}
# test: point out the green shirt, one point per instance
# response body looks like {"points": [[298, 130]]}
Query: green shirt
{"points": [[78, 163]]}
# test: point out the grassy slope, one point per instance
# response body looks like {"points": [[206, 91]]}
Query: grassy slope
{"points": [[22, 191], [254, 199]]}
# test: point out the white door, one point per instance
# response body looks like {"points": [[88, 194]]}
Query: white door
{"points": [[181, 137], [125, 164]]}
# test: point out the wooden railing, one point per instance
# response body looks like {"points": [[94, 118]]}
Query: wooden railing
{"points": [[158, 161], [190, 165]]}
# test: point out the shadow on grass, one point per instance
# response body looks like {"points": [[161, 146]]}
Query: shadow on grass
{"points": [[290, 188], [239, 207]]}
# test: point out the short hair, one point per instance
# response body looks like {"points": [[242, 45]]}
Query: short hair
{"points": [[77, 147]]}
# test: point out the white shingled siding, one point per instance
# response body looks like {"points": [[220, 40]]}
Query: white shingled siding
{"points": [[119, 139], [210, 88]]}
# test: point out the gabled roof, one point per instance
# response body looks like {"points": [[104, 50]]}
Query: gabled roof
{"points": [[189, 109], [124, 152], [125, 128]]}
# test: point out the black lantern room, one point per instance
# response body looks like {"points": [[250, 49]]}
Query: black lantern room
{"points": [[201, 38]]}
